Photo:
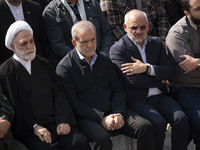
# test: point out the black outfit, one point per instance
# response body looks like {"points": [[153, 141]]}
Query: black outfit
{"points": [[96, 93], [38, 98]]}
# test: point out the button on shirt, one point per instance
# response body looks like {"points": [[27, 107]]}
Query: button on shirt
{"points": [[17, 11], [152, 91]]}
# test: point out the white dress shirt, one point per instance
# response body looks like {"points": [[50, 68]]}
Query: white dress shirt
{"points": [[16, 11], [152, 91]]}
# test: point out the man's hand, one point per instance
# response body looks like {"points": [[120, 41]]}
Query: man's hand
{"points": [[189, 64], [108, 122], [112, 122], [4, 126], [63, 129], [43, 134], [133, 68], [119, 121]]}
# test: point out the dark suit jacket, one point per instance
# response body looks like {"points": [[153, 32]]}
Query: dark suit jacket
{"points": [[33, 16], [137, 86]]}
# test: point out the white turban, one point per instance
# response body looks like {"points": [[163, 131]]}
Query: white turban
{"points": [[14, 29]]}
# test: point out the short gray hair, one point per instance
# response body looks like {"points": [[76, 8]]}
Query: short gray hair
{"points": [[134, 11], [81, 26]]}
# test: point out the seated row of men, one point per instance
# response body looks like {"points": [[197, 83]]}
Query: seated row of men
{"points": [[141, 109]]}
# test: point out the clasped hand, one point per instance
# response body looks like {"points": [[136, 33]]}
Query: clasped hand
{"points": [[112, 122], [45, 135]]}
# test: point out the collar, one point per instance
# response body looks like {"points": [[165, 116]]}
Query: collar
{"points": [[26, 64], [81, 57], [192, 24]]}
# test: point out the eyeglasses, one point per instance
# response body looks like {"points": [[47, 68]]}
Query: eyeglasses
{"points": [[141, 27]]}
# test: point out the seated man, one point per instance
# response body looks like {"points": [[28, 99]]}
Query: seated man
{"points": [[144, 65], [61, 15], [43, 118], [183, 44], [7, 142], [96, 95]]}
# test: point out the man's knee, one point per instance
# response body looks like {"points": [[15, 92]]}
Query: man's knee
{"points": [[75, 140]]}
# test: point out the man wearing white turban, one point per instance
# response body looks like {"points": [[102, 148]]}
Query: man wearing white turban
{"points": [[43, 117], [31, 12]]}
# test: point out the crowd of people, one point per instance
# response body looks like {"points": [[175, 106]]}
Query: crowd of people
{"points": [[73, 73]]}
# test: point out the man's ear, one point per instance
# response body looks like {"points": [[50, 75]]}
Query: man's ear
{"points": [[13, 47], [74, 42], [125, 27], [186, 13]]}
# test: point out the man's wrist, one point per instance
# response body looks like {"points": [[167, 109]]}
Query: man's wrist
{"points": [[147, 69], [35, 125]]}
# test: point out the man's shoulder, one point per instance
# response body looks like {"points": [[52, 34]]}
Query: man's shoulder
{"points": [[31, 3], [68, 60], [43, 62], [180, 26], [7, 67], [122, 43]]}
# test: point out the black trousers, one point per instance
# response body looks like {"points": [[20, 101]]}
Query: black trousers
{"points": [[75, 140], [163, 109], [135, 127]]}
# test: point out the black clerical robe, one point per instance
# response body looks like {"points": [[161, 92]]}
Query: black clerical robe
{"points": [[36, 98]]}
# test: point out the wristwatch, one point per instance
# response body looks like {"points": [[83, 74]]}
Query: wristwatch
{"points": [[147, 68]]}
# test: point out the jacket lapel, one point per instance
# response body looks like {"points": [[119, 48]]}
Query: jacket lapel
{"points": [[132, 49]]}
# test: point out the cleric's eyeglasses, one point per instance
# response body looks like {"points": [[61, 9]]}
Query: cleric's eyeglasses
{"points": [[136, 27]]}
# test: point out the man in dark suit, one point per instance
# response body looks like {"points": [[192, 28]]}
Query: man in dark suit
{"points": [[31, 12], [43, 118], [144, 68], [96, 95]]}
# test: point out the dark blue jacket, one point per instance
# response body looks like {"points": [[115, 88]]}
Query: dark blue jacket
{"points": [[137, 86]]}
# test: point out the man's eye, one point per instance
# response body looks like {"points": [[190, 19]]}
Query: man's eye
{"points": [[134, 28], [143, 27], [23, 44]]}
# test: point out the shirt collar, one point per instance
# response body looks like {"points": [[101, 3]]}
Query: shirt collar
{"points": [[26, 64], [81, 57]]}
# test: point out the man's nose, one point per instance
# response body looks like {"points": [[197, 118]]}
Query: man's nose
{"points": [[30, 45]]}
